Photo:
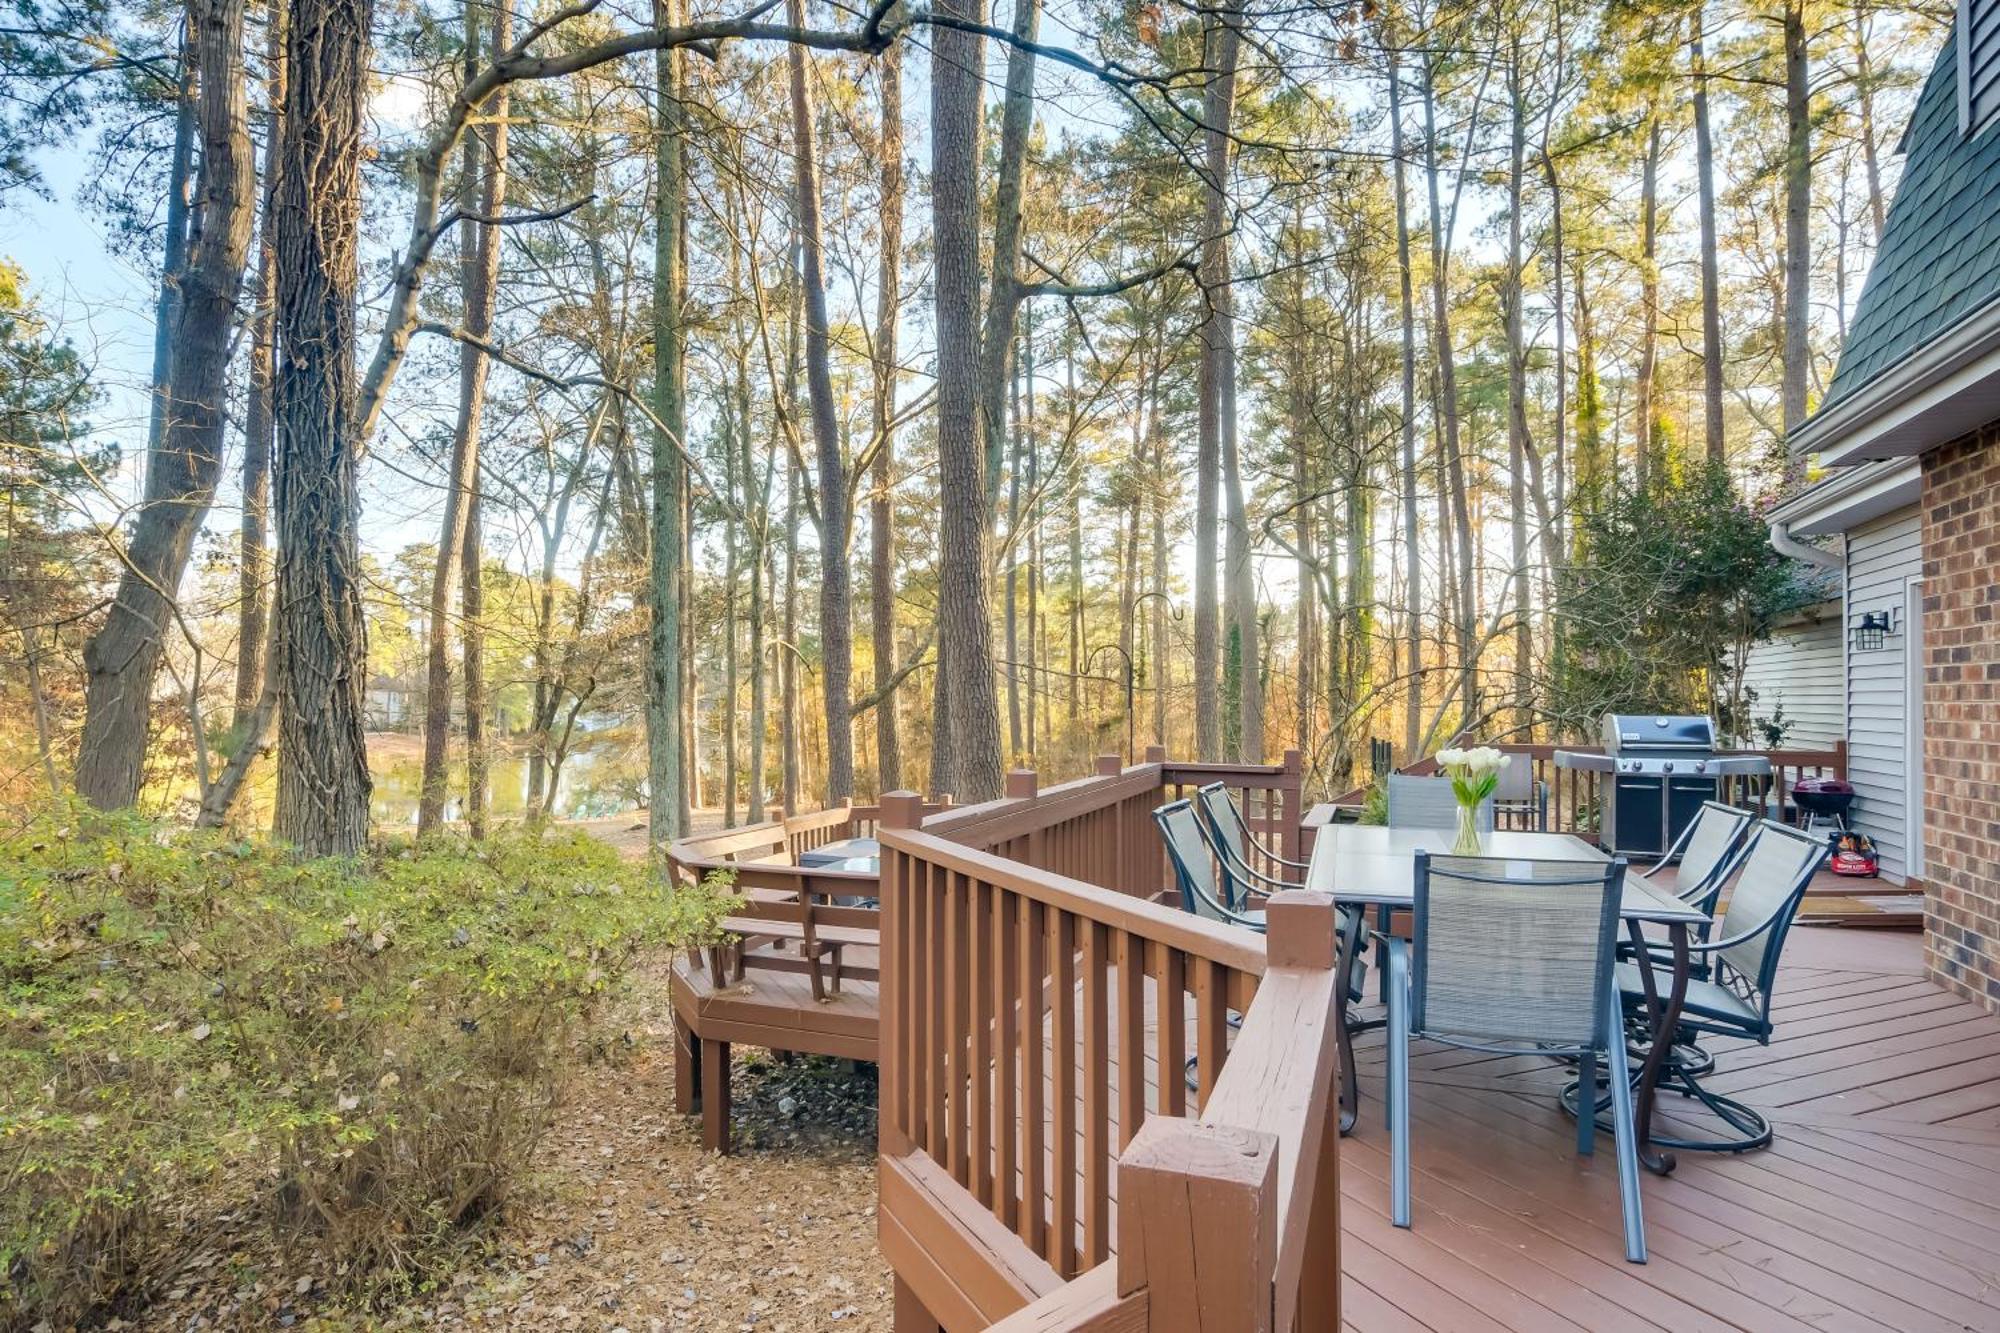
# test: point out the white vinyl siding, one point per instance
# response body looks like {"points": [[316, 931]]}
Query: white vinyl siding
{"points": [[1882, 556], [1799, 670]]}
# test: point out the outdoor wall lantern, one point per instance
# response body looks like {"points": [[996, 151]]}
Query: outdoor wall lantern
{"points": [[1875, 626]]}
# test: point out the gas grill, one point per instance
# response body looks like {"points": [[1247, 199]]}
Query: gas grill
{"points": [[1662, 769]]}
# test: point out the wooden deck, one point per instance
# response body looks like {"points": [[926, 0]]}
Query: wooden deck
{"points": [[1878, 1207], [769, 1007]]}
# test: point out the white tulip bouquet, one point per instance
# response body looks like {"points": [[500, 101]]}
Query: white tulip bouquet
{"points": [[1474, 774]]}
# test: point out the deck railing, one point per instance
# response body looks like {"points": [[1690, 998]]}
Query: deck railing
{"points": [[1575, 794], [1043, 1021]]}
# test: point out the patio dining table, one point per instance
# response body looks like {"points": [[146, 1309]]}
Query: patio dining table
{"points": [[1372, 866]]}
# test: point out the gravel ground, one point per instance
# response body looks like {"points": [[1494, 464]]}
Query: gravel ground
{"points": [[629, 1224]]}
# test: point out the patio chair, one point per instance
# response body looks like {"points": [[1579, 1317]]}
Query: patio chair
{"points": [[1513, 958], [1227, 833], [1429, 802], [1421, 802], [1239, 853], [1194, 862], [1520, 799], [1730, 994], [1194, 858], [1707, 852]]}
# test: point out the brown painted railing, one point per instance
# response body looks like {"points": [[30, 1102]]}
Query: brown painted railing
{"points": [[784, 901], [1574, 800], [1040, 1012]]}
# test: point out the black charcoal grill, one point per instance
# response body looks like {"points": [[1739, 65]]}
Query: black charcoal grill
{"points": [[1659, 771]]}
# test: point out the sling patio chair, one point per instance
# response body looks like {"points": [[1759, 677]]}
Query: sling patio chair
{"points": [[1243, 859], [1513, 957], [1429, 802], [1707, 852], [1417, 802], [1520, 799], [1729, 993], [1194, 858]]}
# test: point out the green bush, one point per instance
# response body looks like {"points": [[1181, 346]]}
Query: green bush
{"points": [[373, 1047]]}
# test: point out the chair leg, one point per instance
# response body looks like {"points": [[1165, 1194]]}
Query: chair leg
{"points": [[1626, 1139], [687, 1070], [1398, 1099], [1586, 1088]]}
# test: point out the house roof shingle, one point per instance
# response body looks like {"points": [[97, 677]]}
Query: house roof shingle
{"points": [[1940, 254]]}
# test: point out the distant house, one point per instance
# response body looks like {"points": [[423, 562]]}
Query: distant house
{"points": [[1909, 511]]}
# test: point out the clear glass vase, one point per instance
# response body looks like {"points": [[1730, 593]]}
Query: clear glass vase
{"points": [[1467, 842]]}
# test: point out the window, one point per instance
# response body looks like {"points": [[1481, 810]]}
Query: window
{"points": [[1978, 65]]}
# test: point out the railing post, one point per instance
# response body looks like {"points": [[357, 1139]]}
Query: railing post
{"points": [[900, 810], [1198, 1225], [1302, 931], [1109, 765], [1156, 754], [1022, 784]]}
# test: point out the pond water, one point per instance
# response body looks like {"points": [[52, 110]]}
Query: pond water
{"points": [[605, 774]]}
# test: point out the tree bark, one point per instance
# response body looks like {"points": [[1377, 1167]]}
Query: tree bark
{"points": [[1711, 272], [1413, 578], [969, 765], [1519, 446], [881, 506], [482, 193], [835, 602], [123, 658], [253, 562], [1017, 116], [1798, 217], [1644, 416], [1447, 393], [1215, 392], [322, 655], [664, 738]]}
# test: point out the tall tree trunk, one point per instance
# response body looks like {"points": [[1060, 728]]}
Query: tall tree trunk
{"points": [[1864, 84], [1644, 415], [1447, 394], [788, 655], [1711, 273], [1519, 446], [253, 562], [969, 765], [1010, 610], [173, 245], [123, 658], [759, 559], [482, 293], [733, 504], [1215, 384], [1798, 217], [322, 637], [482, 193], [1017, 117], [1413, 578], [835, 602], [1076, 607], [665, 761], [1590, 462], [881, 511]]}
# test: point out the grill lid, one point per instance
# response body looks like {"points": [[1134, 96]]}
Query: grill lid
{"points": [[1634, 733]]}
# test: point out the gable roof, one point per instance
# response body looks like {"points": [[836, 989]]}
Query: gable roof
{"points": [[1939, 260]]}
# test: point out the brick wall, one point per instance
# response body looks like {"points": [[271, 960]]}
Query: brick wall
{"points": [[1961, 628]]}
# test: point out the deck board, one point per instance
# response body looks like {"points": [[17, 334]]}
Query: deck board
{"points": [[1877, 1207]]}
